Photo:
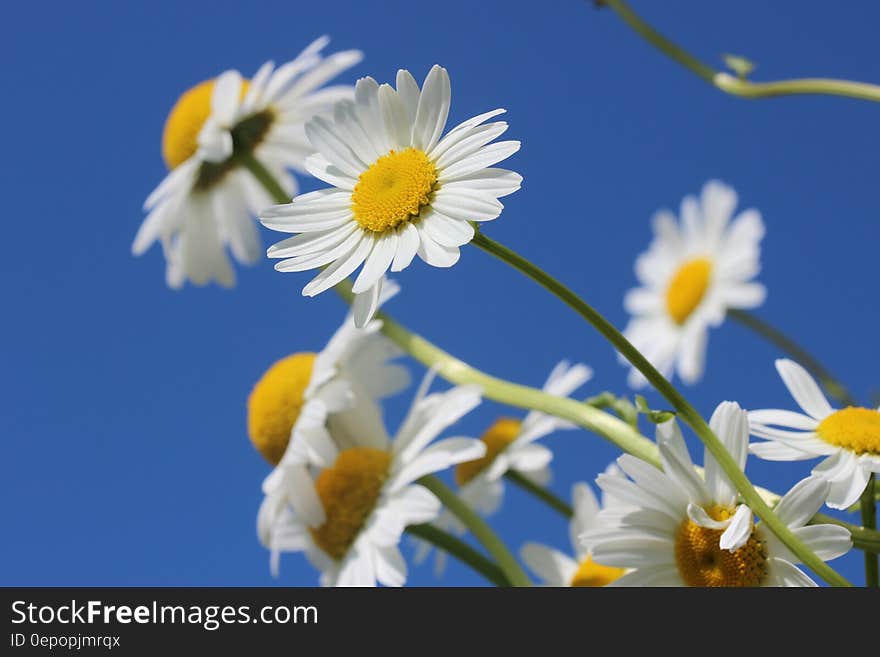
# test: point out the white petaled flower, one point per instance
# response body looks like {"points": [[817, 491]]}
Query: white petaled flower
{"points": [[849, 438], [558, 569], [364, 496], [303, 397], [208, 202], [690, 276], [687, 531], [510, 445], [399, 188]]}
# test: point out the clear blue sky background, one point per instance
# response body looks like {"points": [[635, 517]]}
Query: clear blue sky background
{"points": [[124, 458]]}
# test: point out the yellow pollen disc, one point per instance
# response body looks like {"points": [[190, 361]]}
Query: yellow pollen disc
{"points": [[853, 428], [275, 402], [687, 288], [497, 438], [349, 490], [590, 573], [702, 562], [393, 190], [181, 134]]}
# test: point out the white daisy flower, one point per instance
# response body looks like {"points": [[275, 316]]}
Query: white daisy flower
{"points": [[304, 398], [398, 189], [510, 445], [690, 276], [558, 569], [207, 202], [364, 495], [687, 531], [849, 438]]}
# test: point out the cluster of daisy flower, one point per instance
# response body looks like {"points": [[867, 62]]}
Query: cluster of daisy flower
{"points": [[343, 489]]}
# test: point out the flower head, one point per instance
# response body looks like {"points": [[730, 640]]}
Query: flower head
{"points": [[690, 276], [684, 530], [207, 201], [848, 438], [399, 188], [354, 510]]}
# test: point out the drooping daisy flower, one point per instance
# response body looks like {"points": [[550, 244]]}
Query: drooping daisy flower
{"points": [[510, 445], [690, 276], [849, 438], [687, 531], [303, 398], [558, 569], [207, 201], [364, 494], [398, 188]]}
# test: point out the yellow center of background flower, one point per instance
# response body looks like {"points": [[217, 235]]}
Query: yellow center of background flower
{"points": [[702, 562], [687, 288], [590, 573], [275, 403], [180, 138], [853, 428], [393, 190], [349, 490], [497, 438]]}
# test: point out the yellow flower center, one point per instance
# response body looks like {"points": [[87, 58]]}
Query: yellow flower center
{"points": [[349, 490], [687, 288], [853, 428], [702, 562], [590, 573], [393, 190], [497, 438], [275, 402]]}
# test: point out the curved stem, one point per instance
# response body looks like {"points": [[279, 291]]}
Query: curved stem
{"points": [[832, 386], [460, 550], [550, 499], [869, 520], [737, 86], [481, 531], [685, 411]]}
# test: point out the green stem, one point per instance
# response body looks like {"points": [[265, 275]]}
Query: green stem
{"points": [[263, 176], [543, 494], [481, 531], [460, 550], [685, 411], [798, 353], [737, 86], [869, 520]]}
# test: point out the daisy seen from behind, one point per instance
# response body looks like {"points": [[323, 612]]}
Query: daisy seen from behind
{"points": [[690, 276], [302, 398], [684, 530], [399, 187], [848, 439], [208, 201], [364, 494], [558, 569]]}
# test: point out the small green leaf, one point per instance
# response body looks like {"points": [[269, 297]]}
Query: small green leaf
{"points": [[739, 65], [657, 417]]}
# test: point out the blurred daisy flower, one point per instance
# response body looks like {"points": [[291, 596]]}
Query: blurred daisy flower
{"points": [[849, 438], [687, 531], [207, 201], [398, 187], [510, 445], [558, 569], [690, 276], [302, 398], [364, 496]]}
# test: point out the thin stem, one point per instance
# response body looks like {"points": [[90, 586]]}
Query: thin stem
{"points": [[798, 353], [263, 176], [550, 499], [460, 550], [737, 86], [685, 411], [481, 531], [869, 520]]}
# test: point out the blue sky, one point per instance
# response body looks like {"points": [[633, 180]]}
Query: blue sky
{"points": [[124, 458]]}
